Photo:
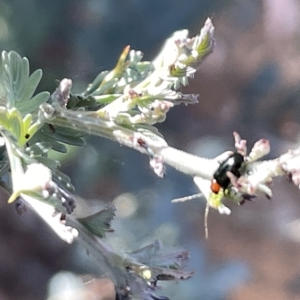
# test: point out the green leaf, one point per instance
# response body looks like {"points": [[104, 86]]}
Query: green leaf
{"points": [[155, 255], [31, 85], [50, 163], [16, 124], [96, 83], [78, 101], [99, 223], [56, 135], [106, 99], [15, 127], [33, 104], [62, 180], [70, 140], [19, 86], [64, 135], [147, 130], [24, 73], [4, 118], [59, 147], [163, 264], [144, 67], [39, 148]]}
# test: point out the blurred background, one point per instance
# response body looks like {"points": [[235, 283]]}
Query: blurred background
{"points": [[250, 84]]}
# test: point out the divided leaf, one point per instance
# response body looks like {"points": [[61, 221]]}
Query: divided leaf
{"points": [[99, 223], [19, 86]]}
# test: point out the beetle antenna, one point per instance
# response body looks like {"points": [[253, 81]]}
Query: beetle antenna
{"points": [[183, 199]]}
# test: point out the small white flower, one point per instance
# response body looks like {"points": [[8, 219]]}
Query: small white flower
{"points": [[37, 177], [292, 163], [62, 93], [240, 145], [224, 210], [157, 164], [260, 149]]}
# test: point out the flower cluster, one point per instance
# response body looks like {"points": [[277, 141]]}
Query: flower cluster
{"points": [[254, 176]]}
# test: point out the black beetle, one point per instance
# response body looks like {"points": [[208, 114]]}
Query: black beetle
{"points": [[232, 164]]}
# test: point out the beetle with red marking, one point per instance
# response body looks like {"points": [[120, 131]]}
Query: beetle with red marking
{"points": [[232, 164]]}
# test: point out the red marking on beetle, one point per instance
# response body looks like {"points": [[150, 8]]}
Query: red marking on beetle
{"points": [[214, 186]]}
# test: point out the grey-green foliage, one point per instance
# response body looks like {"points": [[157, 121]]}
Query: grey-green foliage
{"points": [[19, 117], [19, 85], [99, 223], [58, 136], [18, 94], [18, 100], [102, 91]]}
